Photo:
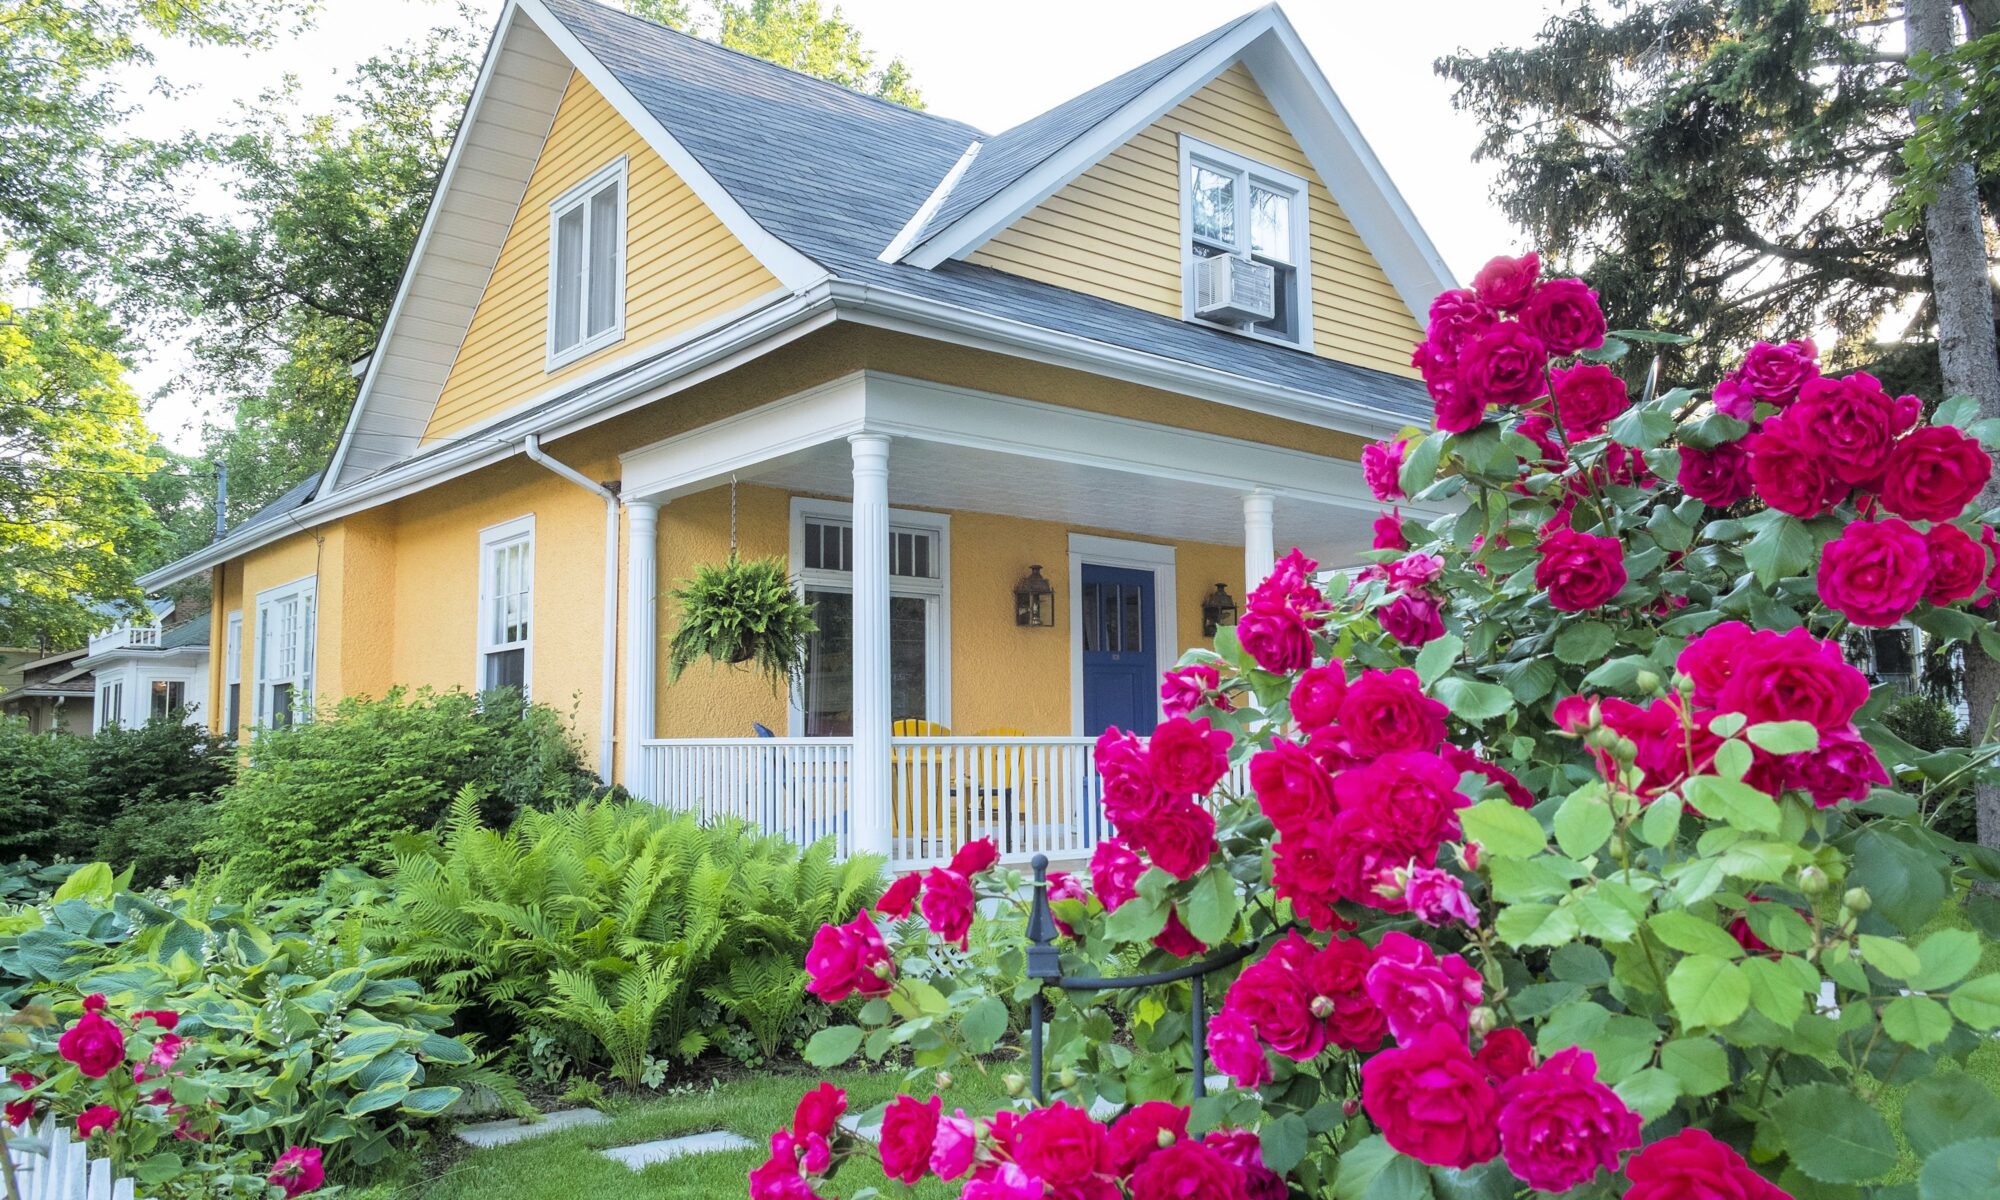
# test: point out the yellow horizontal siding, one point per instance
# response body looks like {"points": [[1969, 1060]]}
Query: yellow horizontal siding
{"points": [[682, 267], [1115, 230]]}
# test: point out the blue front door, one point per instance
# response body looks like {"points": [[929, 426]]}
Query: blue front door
{"points": [[1120, 665]]}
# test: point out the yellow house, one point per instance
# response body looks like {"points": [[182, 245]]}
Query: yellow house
{"points": [[670, 298]]}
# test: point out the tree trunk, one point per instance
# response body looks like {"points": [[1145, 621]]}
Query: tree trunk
{"points": [[1962, 293]]}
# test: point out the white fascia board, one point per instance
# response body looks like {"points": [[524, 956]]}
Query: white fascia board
{"points": [[907, 235], [972, 230], [1347, 165], [673, 370], [688, 462], [889, 309], [793, 269], [487, 68]]}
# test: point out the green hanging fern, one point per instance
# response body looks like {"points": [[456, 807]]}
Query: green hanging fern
{"points": [[744, 611]]}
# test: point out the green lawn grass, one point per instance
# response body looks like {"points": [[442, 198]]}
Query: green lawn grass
{"points": [[562, 1166]]}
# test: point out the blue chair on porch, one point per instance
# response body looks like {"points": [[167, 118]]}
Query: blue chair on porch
{"points": [[775, 797]]}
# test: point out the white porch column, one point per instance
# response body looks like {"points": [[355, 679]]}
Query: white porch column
{"points": [[868, 793], [642, 636], [1260, 554]]}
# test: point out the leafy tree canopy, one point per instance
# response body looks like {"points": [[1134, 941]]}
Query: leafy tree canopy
{"points": [[798, 34], [1724, 167]]}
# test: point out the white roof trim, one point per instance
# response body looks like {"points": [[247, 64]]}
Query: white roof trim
{"points": [[1270, 48], [793, 269], [907, 235]]}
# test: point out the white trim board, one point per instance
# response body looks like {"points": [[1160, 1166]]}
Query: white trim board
{"points": [[1121, 552]]}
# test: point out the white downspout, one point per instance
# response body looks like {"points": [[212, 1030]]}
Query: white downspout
{"points": [[608, 697]]}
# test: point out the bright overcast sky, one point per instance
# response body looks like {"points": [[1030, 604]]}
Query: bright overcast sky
{"points": [[994, 64]]}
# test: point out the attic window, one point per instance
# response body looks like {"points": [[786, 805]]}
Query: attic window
{"points": [[587, 266], [1255, 214]]}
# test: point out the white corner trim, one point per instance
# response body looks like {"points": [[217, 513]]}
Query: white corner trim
{"points": [[1121, 552], [907, 235], [972, 230], [792, 268]]}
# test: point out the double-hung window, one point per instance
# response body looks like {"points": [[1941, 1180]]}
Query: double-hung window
{"points": [[232, 675], [919, 667], [284, 657], [110, 704], [1235, 205], [587, 266], [506, 604]]}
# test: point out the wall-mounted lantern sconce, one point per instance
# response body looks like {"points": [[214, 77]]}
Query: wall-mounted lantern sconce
{"points": [[1034, 600], [1218, 608]]}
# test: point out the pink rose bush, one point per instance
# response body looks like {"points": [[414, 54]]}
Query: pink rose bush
{"points": [[1555, 847]]}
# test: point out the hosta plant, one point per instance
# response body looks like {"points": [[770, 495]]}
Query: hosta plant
{"points": [[1575, 860]]}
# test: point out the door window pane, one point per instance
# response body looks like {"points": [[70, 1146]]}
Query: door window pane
{"points": [[829, 679], [1214, 205], [909, 658], [1270, 223], [1131, 633], [1091, 619]]}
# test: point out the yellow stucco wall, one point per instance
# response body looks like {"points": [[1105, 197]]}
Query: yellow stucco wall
{"points": [[297, 556], [683, 267], [1115, 230]]}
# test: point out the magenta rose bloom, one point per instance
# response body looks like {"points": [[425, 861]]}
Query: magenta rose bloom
{"points": [[846, 959], [1794, 676], [1188, 756], [909, 1128], [1958, 564], [1384, 711], [1412, 618], [1180, 838], [899, 897], [298, 1171], [1564, 316], [947, 905], [819, 1110], [1692, 1165], [1455, 318], [1405, 798], [1382, 468], [1503, 366], [1776, 373], [1245, 1150], [1114, 873], [1843, 767], [1505, 283], [1560, 1126], [1185, 689], [1316, 695], [1276, 637], [1006, 1182], [19, 1112], [1275, 996], [1064, 1148], [1718, 477], [94, 1118], [1710, 659], [778, 1177], [1432, 1101], [1388, 532], [975, 856], [957, 1140], [1292, 788], [1234, 1049], [1417, 990], [1338, 978], [94, 1044], [1933, 473], [1791, 472], [1580, 571], [1437, 897], [1588, 396], [1875, 572], [1177, 939], [1506, 1053], [1853, 421], [1188, 1170], [1147, 1129]]}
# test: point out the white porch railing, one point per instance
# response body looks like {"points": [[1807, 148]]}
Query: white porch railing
{"points": [[63, 1169], [1031, 795]]}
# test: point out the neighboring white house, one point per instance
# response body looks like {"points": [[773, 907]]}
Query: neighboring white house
{"points": [[145, 668]]}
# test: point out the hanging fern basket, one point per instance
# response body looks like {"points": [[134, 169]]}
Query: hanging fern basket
{"points": [[743, 612]]}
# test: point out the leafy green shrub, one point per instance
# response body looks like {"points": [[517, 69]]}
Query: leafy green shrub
{"points": [[38, 778], [338, 789], [608, 923], [1930, 725], [320, 1038]]}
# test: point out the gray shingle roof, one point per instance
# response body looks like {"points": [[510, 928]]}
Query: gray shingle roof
{"points": [[837, 174], [298, 495]]}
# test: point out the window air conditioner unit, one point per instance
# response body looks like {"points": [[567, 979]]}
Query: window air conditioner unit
{"points": [[1228, 287]]}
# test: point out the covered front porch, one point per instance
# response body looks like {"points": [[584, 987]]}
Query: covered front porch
{"points": [[910, 511]]}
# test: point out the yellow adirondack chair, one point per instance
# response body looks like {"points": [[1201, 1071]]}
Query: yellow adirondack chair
{"points": [[920, 785]]}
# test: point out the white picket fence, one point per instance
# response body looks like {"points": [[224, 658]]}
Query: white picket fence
{"points": [[66, 1171]]}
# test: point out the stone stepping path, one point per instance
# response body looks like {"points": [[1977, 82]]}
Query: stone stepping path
{"points": [[489, 1134], [645, 1154]]}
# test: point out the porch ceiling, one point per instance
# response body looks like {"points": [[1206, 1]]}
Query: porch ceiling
{"points": [[936, 475]]}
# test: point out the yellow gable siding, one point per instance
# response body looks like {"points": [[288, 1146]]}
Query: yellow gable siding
{"points": [[683, 267], [1115, 231]]}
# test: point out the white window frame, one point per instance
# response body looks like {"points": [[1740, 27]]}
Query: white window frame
{"points": [[232, 672], [935, 592], [306, 592], [519, 531], [110, 704], [169, 683], [1195, 151], [575, 198]]}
